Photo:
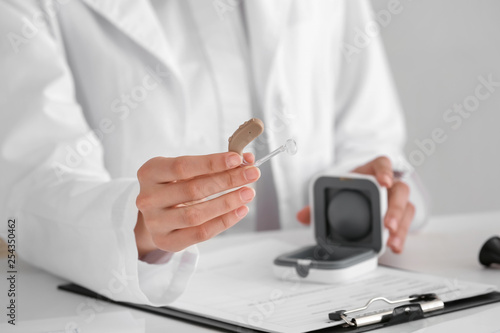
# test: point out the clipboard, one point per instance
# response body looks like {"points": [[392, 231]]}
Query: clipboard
{"points": [[412, 312], [164, 311], [406, 312]]}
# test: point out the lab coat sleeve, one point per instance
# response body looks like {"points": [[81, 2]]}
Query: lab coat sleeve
{"points": [[73, 219], [369, 121]]}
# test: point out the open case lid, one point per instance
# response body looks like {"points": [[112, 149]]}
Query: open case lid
{"points": [[347, 212]]}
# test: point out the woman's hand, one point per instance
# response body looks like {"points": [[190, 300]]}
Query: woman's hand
{"points": [[172, 211], [400, 211]]}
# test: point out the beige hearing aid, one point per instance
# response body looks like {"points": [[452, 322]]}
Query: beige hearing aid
{"points": [[245, 134]]}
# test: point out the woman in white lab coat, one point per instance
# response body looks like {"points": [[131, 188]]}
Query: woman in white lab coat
{"points": [[93, 90]]}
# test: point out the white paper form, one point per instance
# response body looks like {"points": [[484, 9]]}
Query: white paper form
{"points": [[237, 285]]}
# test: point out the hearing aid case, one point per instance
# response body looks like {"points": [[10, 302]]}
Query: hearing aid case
{"points": [[347, 213]]}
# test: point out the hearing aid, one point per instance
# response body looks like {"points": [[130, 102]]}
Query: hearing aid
{"points": [[245, 134]]}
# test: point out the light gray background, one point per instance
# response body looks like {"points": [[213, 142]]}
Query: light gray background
{"points": [[436, 50]]}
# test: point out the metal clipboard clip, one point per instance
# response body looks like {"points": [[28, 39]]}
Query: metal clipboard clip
{"points": [[415, 309]]}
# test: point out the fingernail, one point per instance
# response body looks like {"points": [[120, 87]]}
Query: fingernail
{"points": [[247, 194], [387, 179], [393, 224], [242, 211], [233, 160], [252, 173], [396, 243]]}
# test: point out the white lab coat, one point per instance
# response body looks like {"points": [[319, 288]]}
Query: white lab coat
{"points": [[105, 66]]}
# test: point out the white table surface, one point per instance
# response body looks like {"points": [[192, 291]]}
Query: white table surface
{"points": [[447, 246]]}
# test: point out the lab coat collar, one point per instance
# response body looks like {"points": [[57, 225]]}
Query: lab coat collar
{"points": [[267, 21], [136, 18]]}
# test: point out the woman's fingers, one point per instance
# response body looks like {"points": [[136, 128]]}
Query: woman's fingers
{"points": [[249, 157], [168, 195], [304, 215], [194, 215], [397, 239], [398, 199], [381, 168], [165, 169], [180, 239], [400, 211]]}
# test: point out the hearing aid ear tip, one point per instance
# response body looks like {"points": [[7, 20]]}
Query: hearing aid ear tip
{"points": [[291, 147], [490, 252]]}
